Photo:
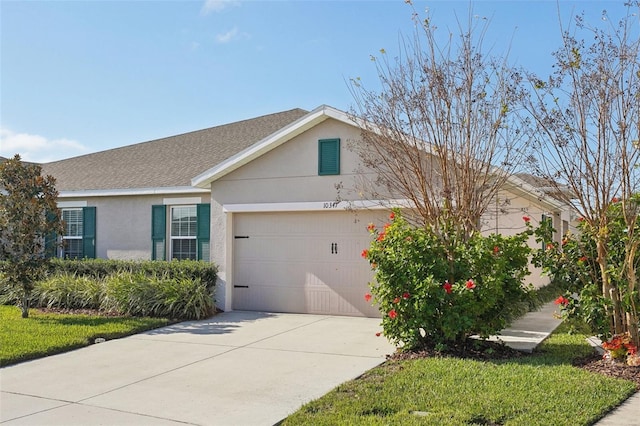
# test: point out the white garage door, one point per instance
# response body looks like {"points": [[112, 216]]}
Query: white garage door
{"points": [[306, 262]]}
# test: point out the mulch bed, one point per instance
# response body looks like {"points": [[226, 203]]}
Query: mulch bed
{"points": [[597, 364], [481, 350]]}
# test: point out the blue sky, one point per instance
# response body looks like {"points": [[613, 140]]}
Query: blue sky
{"points": [[84, 76]]}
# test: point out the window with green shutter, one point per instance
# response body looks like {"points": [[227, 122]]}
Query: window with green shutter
{"points": [[79, 239], [187, 230], [328, 157]]}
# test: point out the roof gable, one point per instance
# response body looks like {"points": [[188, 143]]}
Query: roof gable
{"points": [[269, 143]]}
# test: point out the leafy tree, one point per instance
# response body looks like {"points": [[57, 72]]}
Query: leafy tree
{"points": [[28, 214], [441, 132], [587, 146]]}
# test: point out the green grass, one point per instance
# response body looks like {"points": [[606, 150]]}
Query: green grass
{"points": [[47, 334], [542, 389]]}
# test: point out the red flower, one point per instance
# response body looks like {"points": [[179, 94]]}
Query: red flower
{"points": [[396, 300], [447, 287], [367, 297], [392, 216], [378, 334], [550, 246], [615, 199], [381, 237], [406, 295], [526, 219], [365, 253], [371, 227], [582, 259], [561, 300], [496, 249], [471, 285], [581, 219], [393, 314], [564, 242]]}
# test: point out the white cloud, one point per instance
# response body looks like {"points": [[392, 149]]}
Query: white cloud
{"points": [[36, 148], [232, 34], [214, 6]]}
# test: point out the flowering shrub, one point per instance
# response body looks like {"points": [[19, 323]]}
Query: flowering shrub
{"points": [[573, 265], [620, 348], [428, 297]]}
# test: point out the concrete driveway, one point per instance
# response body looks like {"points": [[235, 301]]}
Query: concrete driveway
{"points": [[238, 368]]}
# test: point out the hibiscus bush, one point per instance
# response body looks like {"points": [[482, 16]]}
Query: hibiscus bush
{"points": [[431, 293], [574, 267]]}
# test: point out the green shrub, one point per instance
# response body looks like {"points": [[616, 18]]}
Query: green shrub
{"points": [[178, 289], [427, 300], [157, 296], [101, 268], [69, 291], [574, 268]]}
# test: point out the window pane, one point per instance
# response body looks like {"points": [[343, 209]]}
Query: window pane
{"points": [[73, 222], [72, 249], [183, 221], [183, 249]]}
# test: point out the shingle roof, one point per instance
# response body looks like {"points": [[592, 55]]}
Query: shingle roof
{"points": [[167, 162]]}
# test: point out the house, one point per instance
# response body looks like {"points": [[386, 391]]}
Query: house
{"points": [[257, 197]]}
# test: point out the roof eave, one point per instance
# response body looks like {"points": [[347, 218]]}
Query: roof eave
{"points": [[175, 190]]}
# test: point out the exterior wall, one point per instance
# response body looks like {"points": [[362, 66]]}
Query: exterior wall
{"points": [[123, 223], [287, 174], [505, 217]]}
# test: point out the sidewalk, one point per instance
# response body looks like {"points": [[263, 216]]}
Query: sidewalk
{"points": [[529, 331]]}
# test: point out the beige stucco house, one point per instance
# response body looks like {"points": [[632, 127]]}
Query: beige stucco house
{"points": [[258, 198]]}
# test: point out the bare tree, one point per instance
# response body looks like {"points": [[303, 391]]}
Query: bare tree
{"points": [[588, 116], [28, 214], [442, 132]]}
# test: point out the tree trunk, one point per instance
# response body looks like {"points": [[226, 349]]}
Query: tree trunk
{"points": [[25, 305], [607, 290]]}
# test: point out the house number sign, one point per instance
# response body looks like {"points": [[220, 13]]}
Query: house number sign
{"points": [[330, 205]]}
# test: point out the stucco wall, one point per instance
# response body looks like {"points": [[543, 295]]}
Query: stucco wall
{"points": [[123, 224]]}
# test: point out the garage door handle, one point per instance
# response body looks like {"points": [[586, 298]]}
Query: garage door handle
{"points": [[240, 286], [237, 237], [334, 248]]}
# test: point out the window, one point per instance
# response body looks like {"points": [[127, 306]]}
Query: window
{"points": [[187, 231], [184, 224], [328, 157], [79, 237]]}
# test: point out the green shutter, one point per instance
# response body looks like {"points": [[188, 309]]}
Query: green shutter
{"points": [[204, 231], [329, 157], [89, 232], [158, 232], [50, 240]]}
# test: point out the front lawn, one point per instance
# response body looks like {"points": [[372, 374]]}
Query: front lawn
{"points": [[45, 334], [541, 389]]}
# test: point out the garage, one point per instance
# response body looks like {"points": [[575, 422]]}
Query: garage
{"points": [[303, 262]]}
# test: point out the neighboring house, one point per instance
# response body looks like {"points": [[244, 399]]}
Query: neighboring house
{"points": [[259, 198]]}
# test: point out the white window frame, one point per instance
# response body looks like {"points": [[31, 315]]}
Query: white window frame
{"points": [[193, 237], [65, 237]]}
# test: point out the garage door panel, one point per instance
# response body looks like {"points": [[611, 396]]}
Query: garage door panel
{"points": [[303, 262]]}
